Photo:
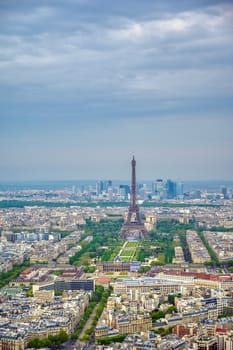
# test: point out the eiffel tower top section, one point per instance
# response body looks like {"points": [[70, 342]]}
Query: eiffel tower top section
{"points": [[133, 184]]}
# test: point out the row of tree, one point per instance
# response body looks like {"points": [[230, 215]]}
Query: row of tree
{"points": [[14, 203], [18, 203], [212, 254], [52, 341], [99, 297], [7, 277], [99, 310], [108, 340]]}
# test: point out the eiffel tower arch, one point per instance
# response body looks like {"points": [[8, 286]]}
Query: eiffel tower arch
{"points": [[133, 227]]}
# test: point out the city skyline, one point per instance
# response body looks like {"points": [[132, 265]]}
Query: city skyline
{"points": [[86, 84]]}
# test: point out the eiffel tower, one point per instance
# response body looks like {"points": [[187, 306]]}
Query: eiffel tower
{"points": [[133, 227]]}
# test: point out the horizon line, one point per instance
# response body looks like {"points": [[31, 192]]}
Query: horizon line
{"points": [[112, 179]]}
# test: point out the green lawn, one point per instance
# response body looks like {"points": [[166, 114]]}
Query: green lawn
{"points": [[127, 253], [161, 258], [131, 244], [126, 258]]}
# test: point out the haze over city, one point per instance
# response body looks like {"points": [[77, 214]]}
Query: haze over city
{"points": [[86, 84]]}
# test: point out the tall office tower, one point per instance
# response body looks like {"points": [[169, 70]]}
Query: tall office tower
{"points": [[158, 188], [99, 187], [142, 191], [179, 189], [106, 185], [124, 191], [171, 189], [224, 192], [109, 185], [133, 228]]}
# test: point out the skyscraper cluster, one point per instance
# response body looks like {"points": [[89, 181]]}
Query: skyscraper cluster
{"points": [[167, 189]]}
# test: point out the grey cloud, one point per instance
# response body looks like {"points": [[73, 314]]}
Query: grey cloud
{"points": [[112, 77], [167, 60]]}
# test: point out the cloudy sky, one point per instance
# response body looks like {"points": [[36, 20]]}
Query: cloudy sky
{"points": [[85, 84]]}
